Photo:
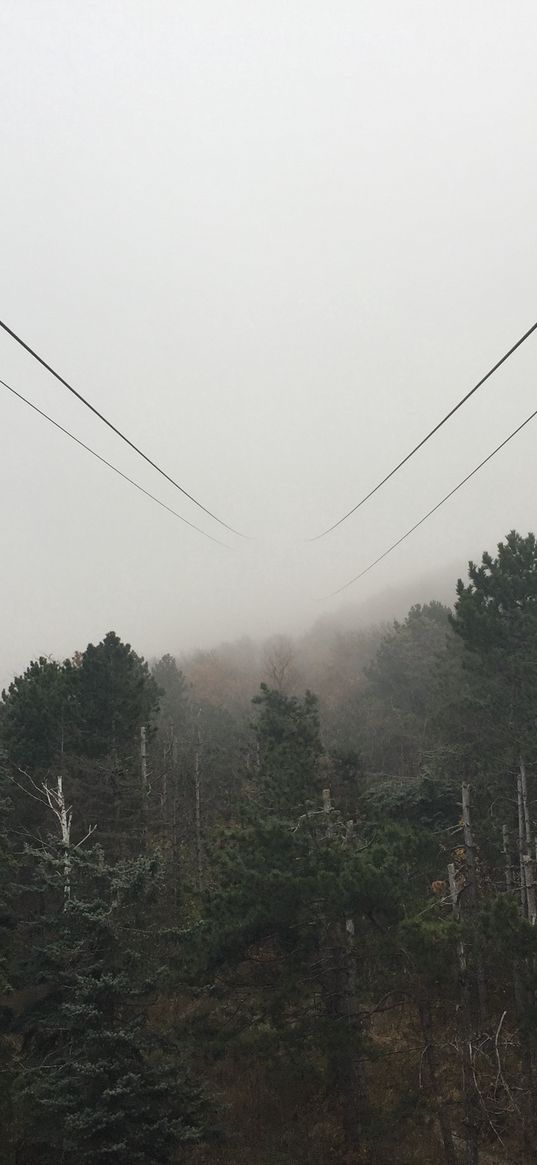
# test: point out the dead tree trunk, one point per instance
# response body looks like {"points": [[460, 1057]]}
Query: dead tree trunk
{"points": [[523, 1000], [355, 1096], [143, 787], [339, 977], [521, 842], [469, 1094], [507, 857], [439, 1105], [197, 794], [54, 799], [525, 804], [526, 852], [529, 881], [473, 887], [469, 846], [143, 760], [346, 1058]]}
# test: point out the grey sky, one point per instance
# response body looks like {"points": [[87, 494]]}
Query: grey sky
{"points": [[273, 242]]}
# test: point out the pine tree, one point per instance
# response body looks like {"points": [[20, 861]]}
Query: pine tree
{"points": [[289, 918], [289, 748], [117, 695], [174, 692], [496, 619], [406, 687], [38, 714], [98, 1082]]}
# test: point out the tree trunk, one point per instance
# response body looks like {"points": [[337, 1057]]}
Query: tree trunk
{"points": [[440, 1106], [529, 881], [507, 856], [143, 760], [528, 864], [525, 804], [471, 862], [469, 842], [347, 1063], [64, 816], [197, 792], [469, 1094], [521, 842]]}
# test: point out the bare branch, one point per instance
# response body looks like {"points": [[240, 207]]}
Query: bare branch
{"points": [[91, 830]]}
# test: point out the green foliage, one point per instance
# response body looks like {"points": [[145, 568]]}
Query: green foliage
{"points": [[408, 682], [222, 763], [497, 608], [96, 1082], [289, 748], [38, 714], [429, 939], [82, 717], [496, 619], [406, 658], [320, 967], [117, 695], [428, 800], [173, 688], [504, 929], [91, 707], [282, 891]]}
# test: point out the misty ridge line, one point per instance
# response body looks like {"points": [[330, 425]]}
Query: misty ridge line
{"points": [[109, 465], [423, 442], [248, 655], [22, 343], [341, 643], [434, 508]]}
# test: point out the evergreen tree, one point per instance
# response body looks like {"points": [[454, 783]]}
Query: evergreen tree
{"points": [[361, 991], [289, 749], [98, 1082], [117, 695], [289, 919], [38, 714], [407, 685], [496, 619], [84, 718], [173, 687]]}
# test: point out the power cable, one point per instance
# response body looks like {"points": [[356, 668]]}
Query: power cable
{"points": [[118, 432], [428, 436], [434, 509], [110, 466]]}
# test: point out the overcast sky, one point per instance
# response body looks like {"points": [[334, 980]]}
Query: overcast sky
{"points": [[274, 241]]}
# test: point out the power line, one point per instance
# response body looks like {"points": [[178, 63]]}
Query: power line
{"points": [[428, 436], [434, 509], [118, 432], [110, 466]]}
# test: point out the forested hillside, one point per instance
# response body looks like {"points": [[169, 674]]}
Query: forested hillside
{"points": [[277, 904]]}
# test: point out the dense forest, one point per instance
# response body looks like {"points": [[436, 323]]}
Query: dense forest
{"points": [[277, 904]]}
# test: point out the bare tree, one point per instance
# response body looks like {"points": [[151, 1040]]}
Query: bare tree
{"points": [[279, 667], [54, 800]]}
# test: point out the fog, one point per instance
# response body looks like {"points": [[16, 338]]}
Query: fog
{"points": [[274, 243]]}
